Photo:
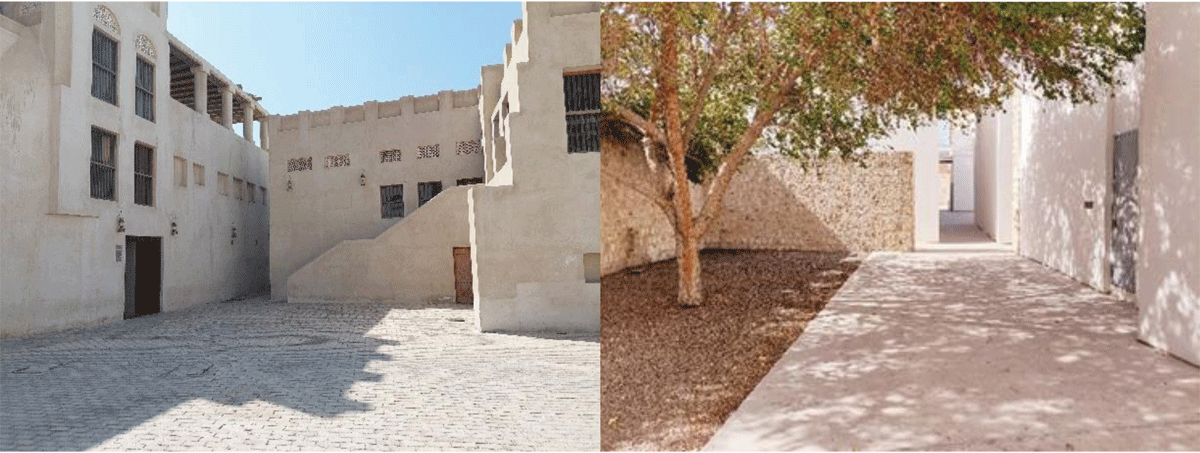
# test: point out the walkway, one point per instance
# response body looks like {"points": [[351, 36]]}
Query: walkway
{"points": [[274, 376], [969, 351]]}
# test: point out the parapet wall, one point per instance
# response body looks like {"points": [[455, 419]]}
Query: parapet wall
{"points": [[408, 105], [776, 205]]}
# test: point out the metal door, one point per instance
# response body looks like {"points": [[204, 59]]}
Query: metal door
{"points": [[1125, 211], [462, 275]]}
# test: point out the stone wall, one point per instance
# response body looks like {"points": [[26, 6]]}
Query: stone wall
{"points": [[772, 204]]}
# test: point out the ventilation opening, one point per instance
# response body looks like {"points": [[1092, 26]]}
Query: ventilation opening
{"points": [[591, 268]]}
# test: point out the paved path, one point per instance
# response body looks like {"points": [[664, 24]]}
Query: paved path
{"points": [[274, 376], [969, 351]]}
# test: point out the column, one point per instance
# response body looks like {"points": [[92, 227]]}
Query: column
{"points": [[227, 107], [201, 89], [248, 120], [263, 138]]}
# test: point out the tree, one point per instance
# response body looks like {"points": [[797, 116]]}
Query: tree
{"points": [[703, 83]]}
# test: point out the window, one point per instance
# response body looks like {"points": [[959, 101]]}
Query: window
{"points": [[144, 90], [264, 195], [143, 175], [223, 184], [250, 192], [581, 93], [300, 164], [180, 171], [104, 165], [239, 190], [389, 155], [338, 160], [198, 174], [391, 200], [104, 67], [468, 147], [469, 181], [427, 151], [426, 191]]}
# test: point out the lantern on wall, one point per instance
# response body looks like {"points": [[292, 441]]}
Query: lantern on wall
{"points": [[289, 186], [120, 223], [362, 179], [174, 228]]}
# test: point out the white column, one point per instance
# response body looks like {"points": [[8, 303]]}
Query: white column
{"points": [[201, 89], [263, 138], [248, 121], [227, 107]]}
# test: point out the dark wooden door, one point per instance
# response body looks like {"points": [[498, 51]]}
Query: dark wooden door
{"points": [[143, 276], [1125, 211], [462, 276]]}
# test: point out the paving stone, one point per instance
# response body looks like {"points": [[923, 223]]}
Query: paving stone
{"points": [[264, 375]]}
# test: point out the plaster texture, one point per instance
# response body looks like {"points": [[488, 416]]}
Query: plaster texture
{"points": [[994, 174], [539, 213], [256, 375], [1168, 268], [59, 267], [772, 204], [328, 205], [929, 351]]}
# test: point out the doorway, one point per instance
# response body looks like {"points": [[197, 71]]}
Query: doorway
{"points": [[462, 276], [143, 276], [1125, 211]]}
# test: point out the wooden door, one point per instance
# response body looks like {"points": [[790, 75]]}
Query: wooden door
{"points": [[462, 276]]}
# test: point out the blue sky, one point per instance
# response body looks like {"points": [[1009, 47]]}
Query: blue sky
{"points": [[311, 56]]}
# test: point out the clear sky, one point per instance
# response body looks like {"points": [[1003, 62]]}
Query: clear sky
{"points": [[312, 56]]}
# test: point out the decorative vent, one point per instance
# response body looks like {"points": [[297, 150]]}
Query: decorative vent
{"points": [[469, 147], [427, 151], [389, 155], [340, 160], [145, 46], [300, 164], [106, 18]]}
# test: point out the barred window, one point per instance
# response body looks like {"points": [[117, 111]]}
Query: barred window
{"points": [[143, 175], [339, 160], [180, 171], [104, 67], [389, 155], [223, 184], [104, 165], [391, 200], [469, 181], [264, 194], [144, 90], [198, 174], [468, 147], [581, 93], [427, 190], [239, 190], [250, 191], [300, 164], [427, 151]]}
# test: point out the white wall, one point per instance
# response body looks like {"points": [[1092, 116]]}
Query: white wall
{"points": [[994, 146], [1168, 272], [923, 143]]}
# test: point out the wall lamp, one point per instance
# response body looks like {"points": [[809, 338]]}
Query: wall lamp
{"points": [[174, 229], [362, 179], [289, 187], [120, 223]]}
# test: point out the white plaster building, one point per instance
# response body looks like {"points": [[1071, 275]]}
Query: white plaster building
{"points": [[523, 246], [127, 189]]}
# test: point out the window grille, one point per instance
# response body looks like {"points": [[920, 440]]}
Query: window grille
{"points": [[581, 94], [426, 191], [468, 147], [339, 160], [239, 190], [250, 191], [223, 184], [104, 67], [469, 181], [104, 165], [389, 155], [143, 175], [144, 90], [300, 164], [427, 151], [391, 200], [180, 171], [198, 174]]}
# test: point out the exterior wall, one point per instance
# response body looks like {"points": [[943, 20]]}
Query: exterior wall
{"points": [[994, 149], [1168, 271], [59, 264], [540, 211], [328, 205], [772, 204], [923, 143]]}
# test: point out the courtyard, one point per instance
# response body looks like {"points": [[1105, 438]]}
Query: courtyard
{"points": [[260, 375]]}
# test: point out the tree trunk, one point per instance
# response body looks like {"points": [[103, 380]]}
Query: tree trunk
{"points": [[691, 291]]}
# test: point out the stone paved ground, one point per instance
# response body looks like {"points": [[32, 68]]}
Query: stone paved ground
{"points": [[257, 375], [969, 351]]}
